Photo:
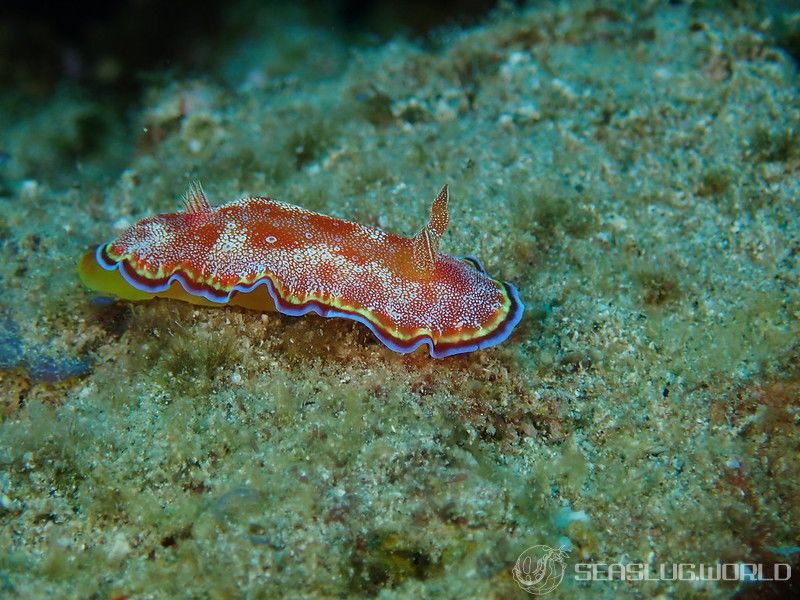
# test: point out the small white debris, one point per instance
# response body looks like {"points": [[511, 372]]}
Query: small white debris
{"points": [[121, 223], [195, 146], [29, 189], [733, 463], [518, 57], [119, 547]]}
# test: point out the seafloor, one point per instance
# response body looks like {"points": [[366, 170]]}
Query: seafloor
{"points": [[634, 171]]}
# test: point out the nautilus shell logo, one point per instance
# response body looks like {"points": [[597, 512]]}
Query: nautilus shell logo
{"points": [[540, 569]]}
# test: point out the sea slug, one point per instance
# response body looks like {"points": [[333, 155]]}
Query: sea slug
{"points": [[263, 254]]}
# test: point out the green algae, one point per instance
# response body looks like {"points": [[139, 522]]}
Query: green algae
{"points": [[781, 145], [647, 213], [714, 182], [387, 561]]}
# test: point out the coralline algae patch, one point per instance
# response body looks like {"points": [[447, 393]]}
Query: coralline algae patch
{"points": [[263, 254]]}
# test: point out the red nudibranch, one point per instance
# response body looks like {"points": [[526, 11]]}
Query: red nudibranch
{"points": [[262, 254]]}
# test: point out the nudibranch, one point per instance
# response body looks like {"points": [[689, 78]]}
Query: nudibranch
{"points": [[262, 254]]}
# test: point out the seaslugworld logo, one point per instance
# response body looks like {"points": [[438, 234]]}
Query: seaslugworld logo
{"points": [[541, 569]]}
